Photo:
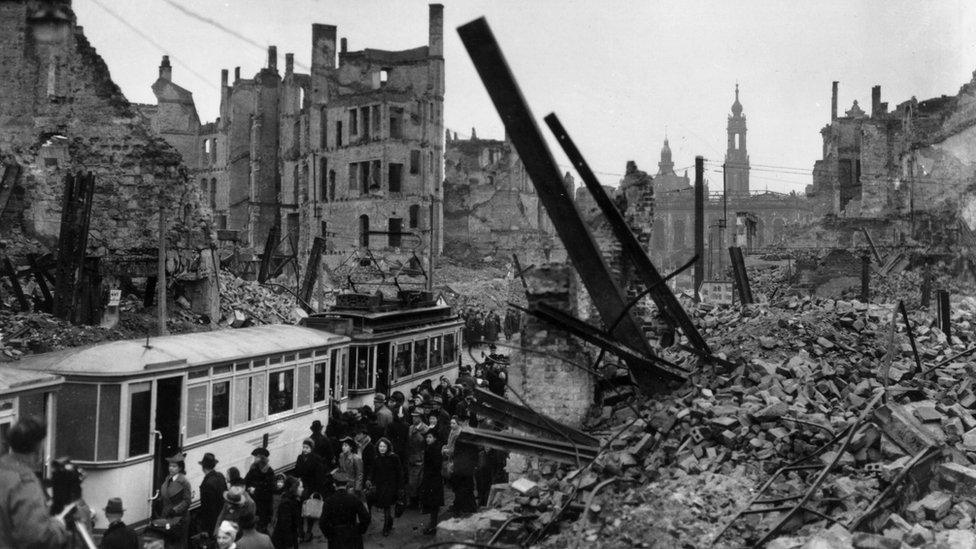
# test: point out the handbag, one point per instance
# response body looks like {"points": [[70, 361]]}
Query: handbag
{"points": [[312, 508]]}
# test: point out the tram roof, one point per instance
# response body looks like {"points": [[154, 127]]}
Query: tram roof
{"points": [[179, 351], [14, 380]]}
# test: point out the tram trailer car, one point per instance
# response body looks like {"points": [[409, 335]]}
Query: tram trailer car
{"points": [[125, 406], [395, 345]]}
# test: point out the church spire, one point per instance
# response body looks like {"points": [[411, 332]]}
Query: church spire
{"points": [[736, 106], [665, 166], [737, 156]]}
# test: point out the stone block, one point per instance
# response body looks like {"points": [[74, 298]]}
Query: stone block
{"points": [[936, 505], [957, 479]]}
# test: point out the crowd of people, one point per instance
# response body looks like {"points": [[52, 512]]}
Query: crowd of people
{"points": [[485, 327], [401, 453]]}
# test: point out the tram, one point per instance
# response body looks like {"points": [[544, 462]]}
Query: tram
{"points": [[395, 344], [124, 406]]}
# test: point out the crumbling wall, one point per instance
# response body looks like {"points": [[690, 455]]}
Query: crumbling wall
{"points": [[60, 112], [552, 386]]}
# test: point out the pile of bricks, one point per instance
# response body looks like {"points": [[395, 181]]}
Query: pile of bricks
{"points": [[245, 303]]}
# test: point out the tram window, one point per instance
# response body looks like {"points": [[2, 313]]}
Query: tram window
{"points": [[361, 368], [242, 366], [222, 369], [275, 360], [290, 358], [318, 382], [450, 348], [242, 393], [220, 405], [196, 411], [259, 389], [302, 386], [259, 363], [33, 405], [435, 352], [140, 402], [402, 361], [305, 354], [109, 400], [281, 391], [76, 421], [419, 355], [4, 427], [341, 377], [199, 373]]}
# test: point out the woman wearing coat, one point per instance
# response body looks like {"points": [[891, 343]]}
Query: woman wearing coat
{"points": [[175, 495], [309, 468], [431, 492], [288, 524], [387, 481]]}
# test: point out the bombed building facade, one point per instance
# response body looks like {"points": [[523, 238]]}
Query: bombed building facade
{"points": [[490, 205], [61, 114], [351, 152], [905, 174]]}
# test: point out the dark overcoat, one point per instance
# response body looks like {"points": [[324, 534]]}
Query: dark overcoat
{"points": [[387, 479], [431, 492], [344, 521]]}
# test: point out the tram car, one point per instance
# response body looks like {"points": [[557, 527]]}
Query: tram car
{"points": [[124, 406], [396, 344]]}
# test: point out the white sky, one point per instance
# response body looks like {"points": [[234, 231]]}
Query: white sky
{"points": [[616, 72]]}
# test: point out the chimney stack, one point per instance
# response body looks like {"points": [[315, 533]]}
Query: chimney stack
{"points": [[223, 78], [323, 47], [289, 63], [273, 58], [237, 74], [343, 45], [435, 40], [165, 69], [833, 103], [876, 102]]}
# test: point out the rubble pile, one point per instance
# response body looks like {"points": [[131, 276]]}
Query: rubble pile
{"points": [[806, 370], [246, 302]]}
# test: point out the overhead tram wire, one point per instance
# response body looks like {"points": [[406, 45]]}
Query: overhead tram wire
{"points": [[228, 30], [157, 45]]}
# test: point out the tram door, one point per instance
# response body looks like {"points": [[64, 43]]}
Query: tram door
{"points": [[383, 369], [169, 393]]}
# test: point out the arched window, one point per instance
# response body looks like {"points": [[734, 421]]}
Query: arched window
{"points": [[364, 231], [414, 216], [203, 188]]}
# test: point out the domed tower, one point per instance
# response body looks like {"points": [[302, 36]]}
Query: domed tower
{"points": [[737, 157]]}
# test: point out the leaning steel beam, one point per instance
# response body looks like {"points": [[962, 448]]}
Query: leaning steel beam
{"points": [[541, 167], [507, 442], [601, 339], [519, 417], [311, 270], [660, 293]]}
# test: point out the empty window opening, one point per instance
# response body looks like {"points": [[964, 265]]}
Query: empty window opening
{"points": [[414, 216], [206, 147], [354, 176], [395, 226], [364, 177], [375, 175], [364, 231], [396, 123], [324, 228], [338, 138], [364, 115], [323, 126], [384, 76], [736, 147], [323, 178], [396, 177], [294, 183], [213, 194], [353, 121], [332, 185], [414, 162]]}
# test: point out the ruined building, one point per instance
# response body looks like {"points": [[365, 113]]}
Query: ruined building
{"points": [[751, 219], [61, 113], [490, 205], [351, 152], [905, 173]]}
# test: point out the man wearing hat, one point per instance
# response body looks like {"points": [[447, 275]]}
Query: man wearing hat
{"points": [[118, 535], [176, 495], [211, 493], [260, 482], [384, 416], [236, 500], [323, 446], [344, 518]]}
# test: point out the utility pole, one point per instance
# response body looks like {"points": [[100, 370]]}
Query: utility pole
{"points": [[161, 275], [699, 223], [723, 224], [431, 249], [911, 189]]}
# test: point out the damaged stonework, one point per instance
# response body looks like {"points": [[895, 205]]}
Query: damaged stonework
{"points": [[555, 387], [61, 113], [491, 207]]}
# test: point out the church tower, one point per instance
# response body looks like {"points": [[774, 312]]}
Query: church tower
{"points": [[665, 166], [737, 157]]}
